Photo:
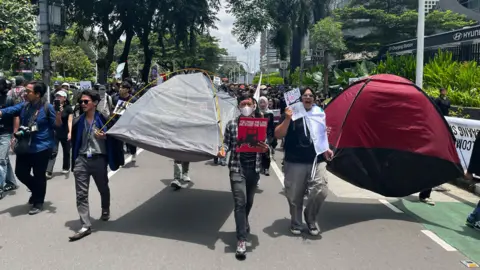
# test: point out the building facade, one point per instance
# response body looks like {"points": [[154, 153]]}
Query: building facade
{"points": [[269, 60]]}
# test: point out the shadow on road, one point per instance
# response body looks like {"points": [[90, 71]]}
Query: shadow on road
{"points": [[189, 215], [21, 210]]}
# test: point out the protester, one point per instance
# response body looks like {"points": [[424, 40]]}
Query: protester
{"points": [[263, 104], [124, 96], [306, 150], [35, 141], [7, 179], [473, 220], [244, 172], [63, 134], [180, 174], [93, 151]]}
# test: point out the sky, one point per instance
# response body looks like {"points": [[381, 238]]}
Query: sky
{"points": [[229, 42]]}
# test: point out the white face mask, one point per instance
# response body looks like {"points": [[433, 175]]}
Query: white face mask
{"points": [[247, 110]]}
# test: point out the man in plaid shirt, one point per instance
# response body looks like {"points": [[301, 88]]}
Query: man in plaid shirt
{"points": [[244, 172]]}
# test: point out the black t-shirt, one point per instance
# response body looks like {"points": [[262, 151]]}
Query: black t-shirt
{"points": [[299, 147], [6, 122], [62, 131]]}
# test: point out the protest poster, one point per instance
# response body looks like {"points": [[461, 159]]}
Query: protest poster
{"points": [[251, 131], [465, 132], [293, 99], [121, 107], [85, 85], [276, 115]]}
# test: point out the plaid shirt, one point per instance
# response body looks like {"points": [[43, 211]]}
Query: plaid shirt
{"points": [[230, 144]]}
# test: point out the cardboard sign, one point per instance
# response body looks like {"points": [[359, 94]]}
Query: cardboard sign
{"points": [[251, 131]]}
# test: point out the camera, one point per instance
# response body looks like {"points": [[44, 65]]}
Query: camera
{"points": [[22, 132]]}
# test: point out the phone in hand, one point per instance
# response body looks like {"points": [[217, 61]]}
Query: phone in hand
{"points": [[57, 105]]}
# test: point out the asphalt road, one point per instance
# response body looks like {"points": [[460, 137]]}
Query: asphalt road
{"points": [[154, 227]]}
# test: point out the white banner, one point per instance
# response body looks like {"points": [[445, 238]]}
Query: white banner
{"points": [[465, 131], [85, 85]]}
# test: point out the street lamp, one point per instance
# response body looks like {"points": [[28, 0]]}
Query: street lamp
{"points": [[420, 43], [283, 67]]}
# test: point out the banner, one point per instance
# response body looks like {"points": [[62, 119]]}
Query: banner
{"points": [[85, 85], [465, 132]]}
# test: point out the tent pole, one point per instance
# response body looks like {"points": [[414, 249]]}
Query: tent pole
{"points": [[348, 112]]}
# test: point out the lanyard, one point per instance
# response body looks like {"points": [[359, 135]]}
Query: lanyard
{"points": [[89, 132]]}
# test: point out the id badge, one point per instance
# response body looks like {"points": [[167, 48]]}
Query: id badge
{"points": [[89, 153], [34, 128]]}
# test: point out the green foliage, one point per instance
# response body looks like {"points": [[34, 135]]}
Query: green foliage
{"points": [[65, 79], [272, 79], [71, 61], [341, 77], [327, 33], [403, 66], [386, 26], [462, 80], [18, 36]]}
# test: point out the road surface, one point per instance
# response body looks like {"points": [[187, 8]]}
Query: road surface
{"points": [[154, 227]]}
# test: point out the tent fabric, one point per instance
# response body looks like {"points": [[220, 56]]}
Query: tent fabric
{"points": [[390, 138], [177, 119]]}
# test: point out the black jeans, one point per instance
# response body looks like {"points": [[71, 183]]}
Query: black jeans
{"points": [[425, 194], [243, 186], [37, 183], [66, 148], [266, 160], [132, 150]]}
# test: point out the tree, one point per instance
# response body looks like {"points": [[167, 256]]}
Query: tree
{"points": [[328, 35], [380, 28], [18, 37], [288, 21], [71, 61]]}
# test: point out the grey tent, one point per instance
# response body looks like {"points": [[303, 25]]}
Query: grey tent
{"points": [[177, 119]]}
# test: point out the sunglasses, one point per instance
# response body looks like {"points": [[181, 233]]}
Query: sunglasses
{"points": [[85, 101]]}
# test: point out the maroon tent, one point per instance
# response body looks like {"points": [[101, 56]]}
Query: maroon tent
{"points": [[390, 138]]}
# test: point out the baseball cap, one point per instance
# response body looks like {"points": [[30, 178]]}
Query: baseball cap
{"points": [[66, 84], [61, 93], [56, 83]]}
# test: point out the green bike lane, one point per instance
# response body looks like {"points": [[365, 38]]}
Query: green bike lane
{"points": [[446, 220]]}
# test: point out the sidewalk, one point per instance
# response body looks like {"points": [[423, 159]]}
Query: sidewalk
{"points": [[447, 218]]}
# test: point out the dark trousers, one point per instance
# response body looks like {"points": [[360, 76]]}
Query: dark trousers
{"points": [[132, 150], [243, 186], [66, 148], [36, 162], [425, 194], [266, 160]]}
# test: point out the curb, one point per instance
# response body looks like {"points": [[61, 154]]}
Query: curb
{"points": [[471, 186]]}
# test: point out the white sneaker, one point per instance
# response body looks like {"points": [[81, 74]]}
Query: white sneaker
{"points": [[134, 157], [428, 201], [186, 178], [65, 171]]}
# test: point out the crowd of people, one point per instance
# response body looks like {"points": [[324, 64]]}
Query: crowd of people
{"points": [[78, 121]]}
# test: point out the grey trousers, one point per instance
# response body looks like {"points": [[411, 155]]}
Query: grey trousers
{"points": [[180, 169], [297, 181], [84, 168]]}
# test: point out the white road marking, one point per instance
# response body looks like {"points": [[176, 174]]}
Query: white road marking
{"points": [[391, 206], [438, 240], [127, 160], [277, 171]]}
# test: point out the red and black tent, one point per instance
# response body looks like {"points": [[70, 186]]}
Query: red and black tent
{"points": [[390, 138]]}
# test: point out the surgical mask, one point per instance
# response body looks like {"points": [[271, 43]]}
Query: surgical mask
{"points": [[247, 111]]}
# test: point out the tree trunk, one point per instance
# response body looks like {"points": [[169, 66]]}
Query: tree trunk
{"points": [[126, 52], [325, 72], [148, 56], [296, 51], [104, 64]]}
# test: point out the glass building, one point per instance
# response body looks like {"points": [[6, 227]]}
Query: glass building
{"points": [[471, 4]]}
